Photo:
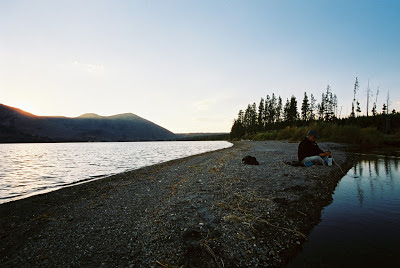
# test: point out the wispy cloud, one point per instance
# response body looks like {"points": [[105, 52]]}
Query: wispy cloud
{"points": [[89, 67], [204, 104]]}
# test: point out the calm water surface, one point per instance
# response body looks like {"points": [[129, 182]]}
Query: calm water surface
{"points": [[29, 169], [361, 227]]}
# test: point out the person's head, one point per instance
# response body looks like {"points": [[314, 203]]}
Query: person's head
{"points": [[312, 135]]}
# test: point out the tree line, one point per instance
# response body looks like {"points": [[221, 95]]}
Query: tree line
{"points": [[272, 114]]}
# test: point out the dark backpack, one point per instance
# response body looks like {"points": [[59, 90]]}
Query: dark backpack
{"points": [[250, 160]]}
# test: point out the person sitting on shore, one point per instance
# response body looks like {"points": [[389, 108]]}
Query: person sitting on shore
{"points": [[309, 150]]}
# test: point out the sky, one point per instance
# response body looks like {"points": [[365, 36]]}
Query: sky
{"points": [[190, 66]]}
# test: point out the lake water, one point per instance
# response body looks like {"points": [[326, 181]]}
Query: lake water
{"points": [[361, 227], [29, 169]]}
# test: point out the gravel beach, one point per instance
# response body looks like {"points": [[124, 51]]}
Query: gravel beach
{"points": [[208, 210]]}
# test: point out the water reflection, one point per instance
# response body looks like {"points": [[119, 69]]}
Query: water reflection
{"points": [[361, 227], [372, 172]]}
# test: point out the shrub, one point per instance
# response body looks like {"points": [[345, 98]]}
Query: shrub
{"points": [[286, 133], [371, 136], [348, 134], [263, 136], [328, 131], [298, 134], [248, 136]]}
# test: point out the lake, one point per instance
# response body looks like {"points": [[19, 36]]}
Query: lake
{"points": [[35, 168], [361, 227]]}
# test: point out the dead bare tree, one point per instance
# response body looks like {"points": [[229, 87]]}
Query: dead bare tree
{"points": [[374, 111], [369, 94], [353, 114]]}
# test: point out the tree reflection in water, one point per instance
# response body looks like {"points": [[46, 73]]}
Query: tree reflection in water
{"points": [[381, 172], [361, 227]]}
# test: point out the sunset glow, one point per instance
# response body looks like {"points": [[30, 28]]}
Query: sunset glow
{"points": [[189, 66]]}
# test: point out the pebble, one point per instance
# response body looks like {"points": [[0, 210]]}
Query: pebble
{"points": [[150, 227]]}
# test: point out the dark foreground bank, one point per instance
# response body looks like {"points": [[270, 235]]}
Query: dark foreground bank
{"points": [[208, 210]]}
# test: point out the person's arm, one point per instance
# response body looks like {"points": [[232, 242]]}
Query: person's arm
{"points": [[327, 153], [322, 153]]}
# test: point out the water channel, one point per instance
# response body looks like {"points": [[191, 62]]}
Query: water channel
{"points": [[361, 227]]}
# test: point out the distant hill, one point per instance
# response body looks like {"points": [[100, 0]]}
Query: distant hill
{"points": [[202, 136], [19, 126]]}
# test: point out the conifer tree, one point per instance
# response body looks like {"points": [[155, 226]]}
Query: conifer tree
{"points": [[261, 112], [240, 117], [374, 112], [278, 110], [311, 115], [253, 118], [247, 118], [328, 104], [335, 105], [305, 108], [290, 110], [294, 115], [266, 111], [321, 107], [272, 109], [286, 113], [237, 130]]}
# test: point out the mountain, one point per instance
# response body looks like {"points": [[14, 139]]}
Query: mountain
{"points": [[202, 136], [17, 125]]}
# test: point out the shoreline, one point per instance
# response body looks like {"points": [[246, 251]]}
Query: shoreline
{"points": [[202, 210]]}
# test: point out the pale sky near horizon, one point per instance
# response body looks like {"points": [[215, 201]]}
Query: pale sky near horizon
{"points": [[189, 66]]}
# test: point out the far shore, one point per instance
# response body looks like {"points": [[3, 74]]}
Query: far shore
{"points": [[207, 210]]}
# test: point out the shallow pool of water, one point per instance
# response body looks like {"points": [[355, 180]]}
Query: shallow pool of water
{"points": [[361, 227]]}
